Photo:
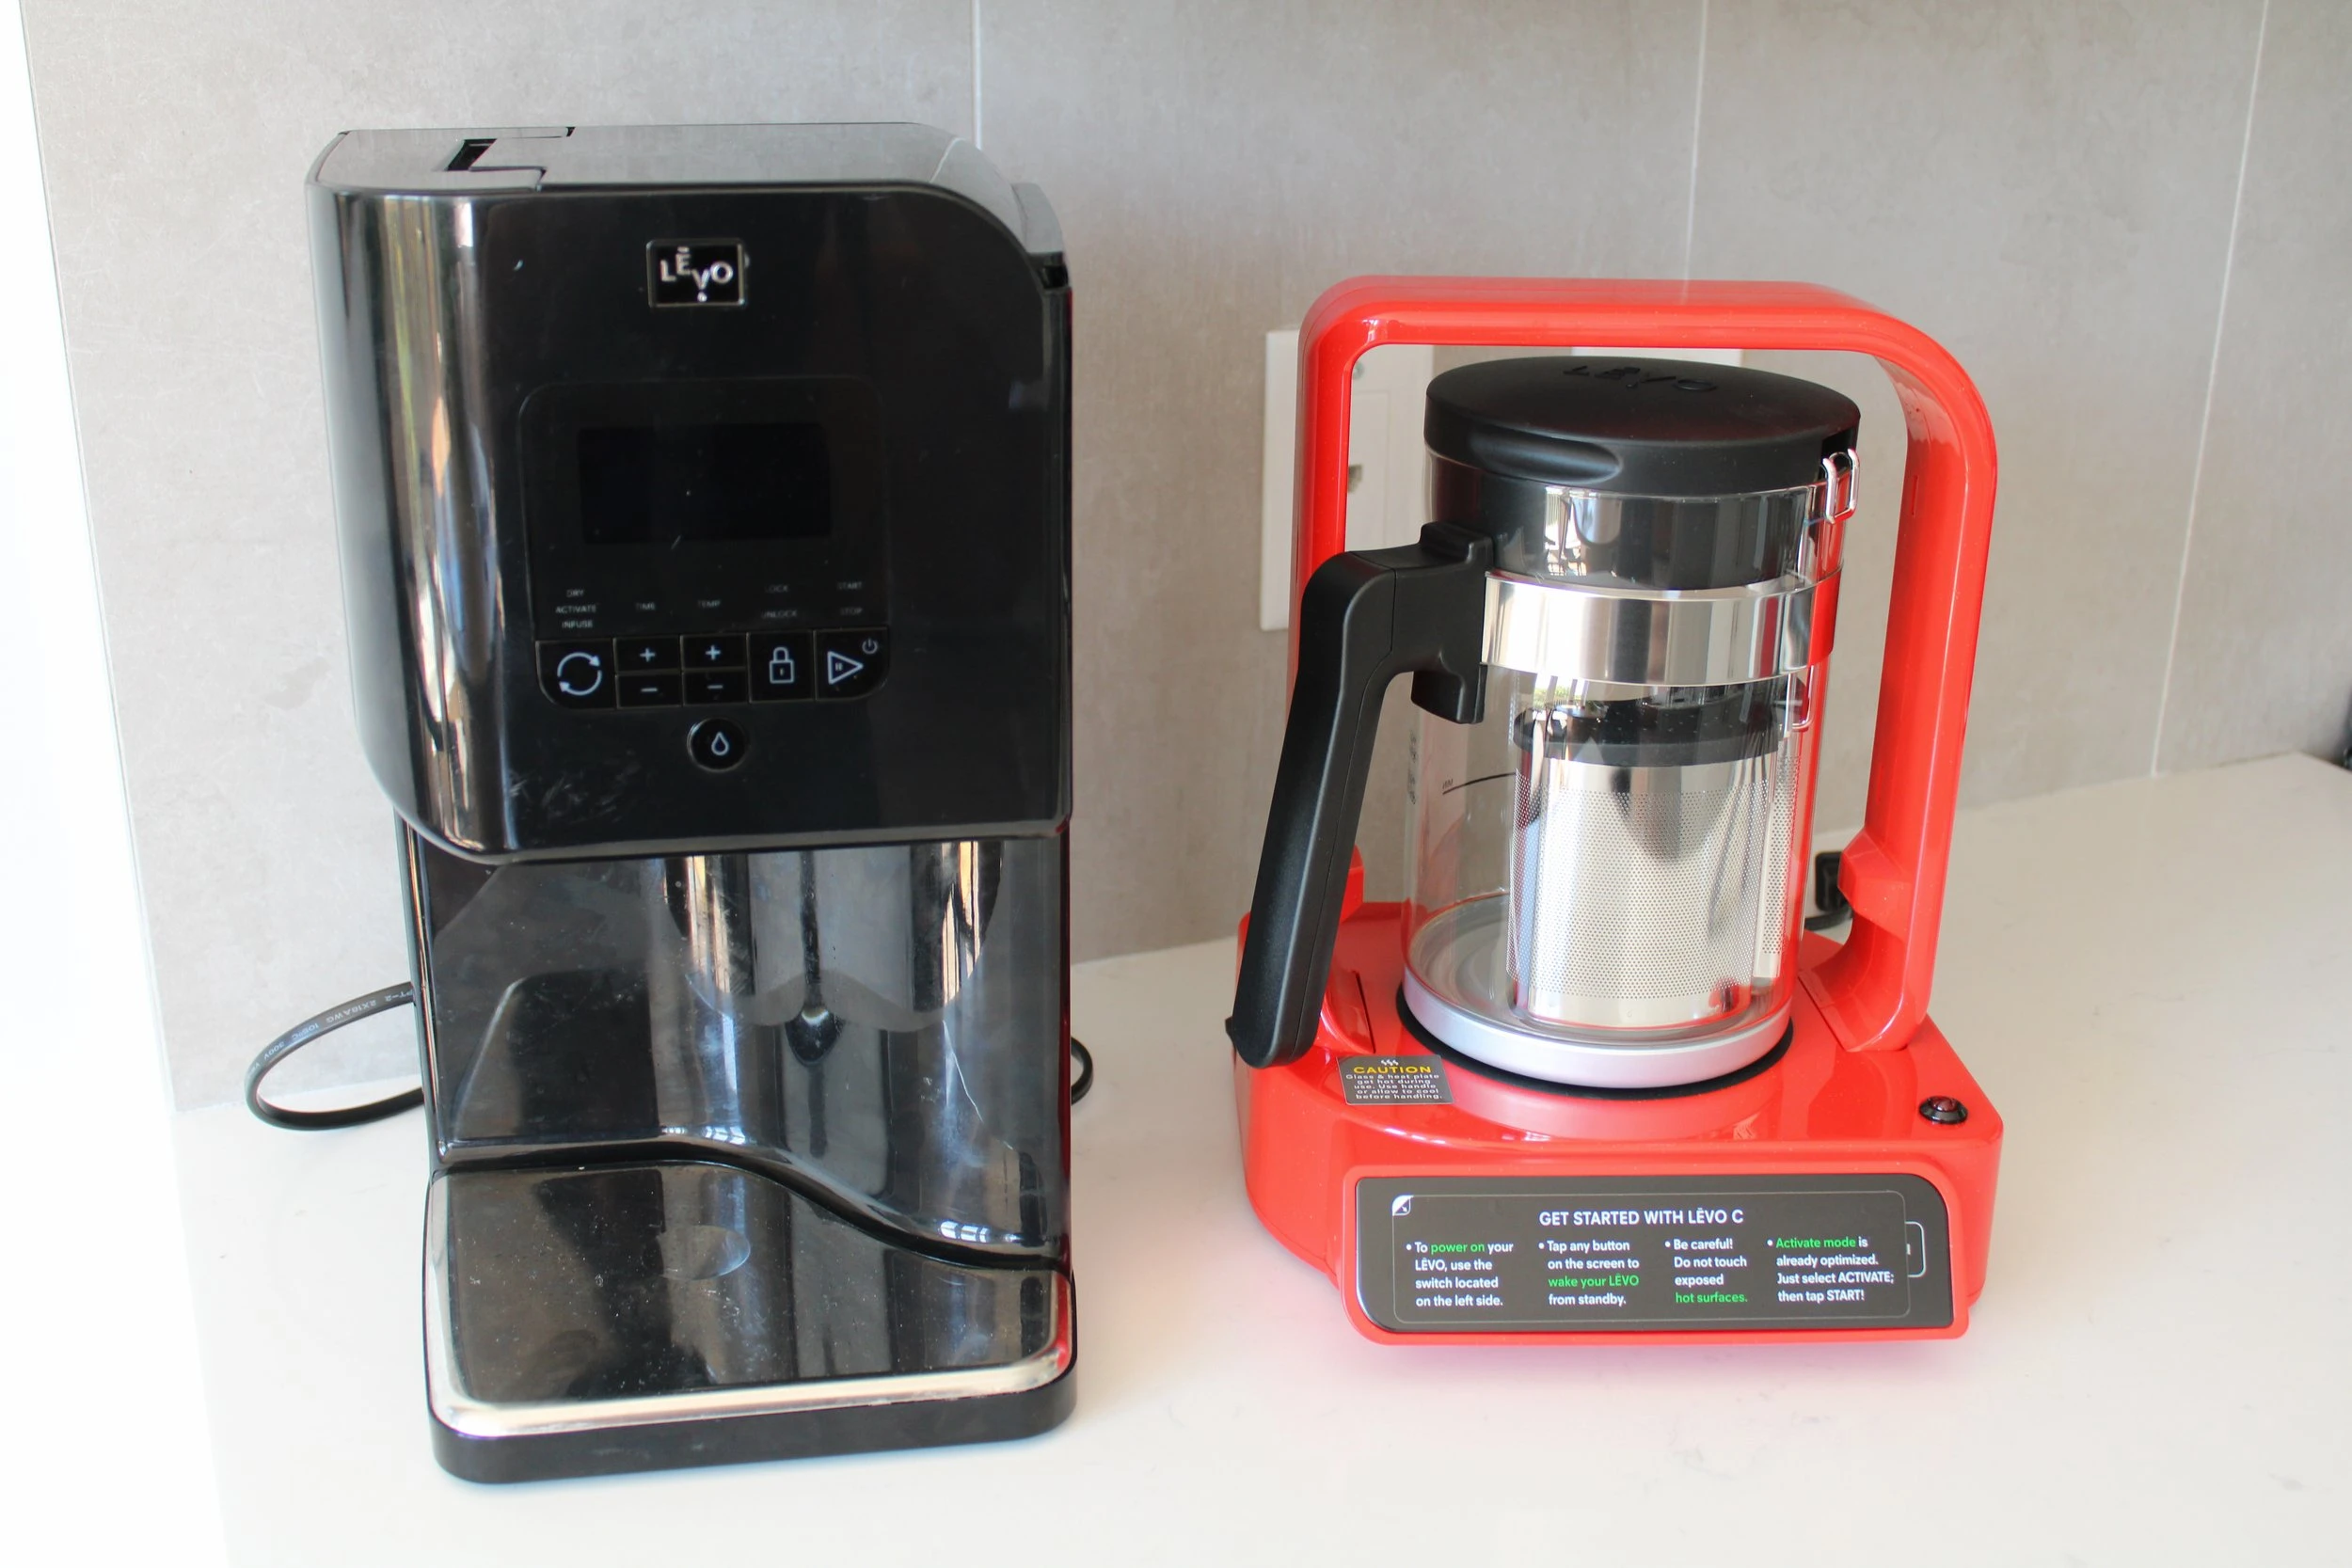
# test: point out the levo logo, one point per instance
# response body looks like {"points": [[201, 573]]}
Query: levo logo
{"points": [[695, 272]]}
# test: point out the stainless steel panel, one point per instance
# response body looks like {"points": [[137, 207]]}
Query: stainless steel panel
{"points": [[1649, 898], [1642, 637], [637, 1295], [1606, 880]]}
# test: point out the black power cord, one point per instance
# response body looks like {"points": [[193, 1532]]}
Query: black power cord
{"points": [[302, 1034], [1827, 895], [403, 995]]}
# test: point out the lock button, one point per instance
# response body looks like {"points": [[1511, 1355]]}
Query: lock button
{"points": [[783, 667]]}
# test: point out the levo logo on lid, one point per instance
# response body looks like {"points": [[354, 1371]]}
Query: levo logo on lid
{"points": [[695, 272]]}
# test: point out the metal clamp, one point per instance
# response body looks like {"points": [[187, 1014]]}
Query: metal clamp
{"points": [[1582, 631]]}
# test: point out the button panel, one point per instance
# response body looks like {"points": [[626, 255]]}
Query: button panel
{"points": [[638, 654], [712, 669], [783, 666], [660, 689], [576, 674], [718, 651], [718, 744], [852, 663], [716, 686]]}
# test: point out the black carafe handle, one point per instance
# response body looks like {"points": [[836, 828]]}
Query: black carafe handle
{"points": [[1367, 617]]}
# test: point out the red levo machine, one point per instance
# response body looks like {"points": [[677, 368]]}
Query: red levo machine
{"points": [[1592, 1076]]}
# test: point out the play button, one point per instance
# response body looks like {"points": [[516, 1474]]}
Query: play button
{"points": [[839, 667]]}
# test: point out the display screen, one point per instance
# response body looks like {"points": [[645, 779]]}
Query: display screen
{"points": [[703, 484], [671, 508], [1455, 1255]]}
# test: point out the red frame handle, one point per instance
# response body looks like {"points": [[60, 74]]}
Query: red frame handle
{"points": [[1874, 992]]}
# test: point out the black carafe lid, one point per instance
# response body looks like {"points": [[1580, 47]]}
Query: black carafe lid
{"points": [[1704, 447]]}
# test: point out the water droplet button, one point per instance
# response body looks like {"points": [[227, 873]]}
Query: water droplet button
{"points": [[717, 744]]}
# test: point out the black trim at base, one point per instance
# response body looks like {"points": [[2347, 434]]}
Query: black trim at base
{"points": [[741, 1439]]}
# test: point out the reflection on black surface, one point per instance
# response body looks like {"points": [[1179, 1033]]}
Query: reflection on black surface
{"points": [[614, 1223], [660, 1278], [575, 1040], [813, 1031], [884, 1025]]}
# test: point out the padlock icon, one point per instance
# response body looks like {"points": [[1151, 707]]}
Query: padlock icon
{"points": [[781, 670]]}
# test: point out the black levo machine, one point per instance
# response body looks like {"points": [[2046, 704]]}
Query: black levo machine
{"points": [[703, 497]]}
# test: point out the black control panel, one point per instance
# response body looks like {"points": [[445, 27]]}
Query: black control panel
{"points": [[676, 507], [1456, 1254], [714, 667], [785, 567]]}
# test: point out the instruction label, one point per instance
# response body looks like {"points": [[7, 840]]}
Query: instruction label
{"points": [[1450, 1254]]}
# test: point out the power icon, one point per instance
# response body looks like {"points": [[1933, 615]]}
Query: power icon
{"points": [[717, 744]]}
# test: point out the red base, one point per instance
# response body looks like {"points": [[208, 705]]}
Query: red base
{"points": [[1821, 1108]]}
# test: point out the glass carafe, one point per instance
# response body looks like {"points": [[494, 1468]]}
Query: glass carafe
{"points": [[1618, 624], [1605, 869]]}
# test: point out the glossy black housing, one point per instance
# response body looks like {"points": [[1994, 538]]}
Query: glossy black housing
{"points": [[883, 1029], [450, 297], [747, 1076]]}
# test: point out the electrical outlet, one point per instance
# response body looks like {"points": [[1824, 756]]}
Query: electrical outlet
{"points": [[1387, 467], [1276, 495]]}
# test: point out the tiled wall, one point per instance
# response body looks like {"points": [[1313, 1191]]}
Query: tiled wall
{"points": [[2130, 234]]}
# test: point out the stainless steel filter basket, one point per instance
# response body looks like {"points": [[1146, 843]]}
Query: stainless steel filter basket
{"points": [[1605, 867]]}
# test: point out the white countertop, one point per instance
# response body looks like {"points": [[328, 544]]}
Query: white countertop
{"points": [[2149, 979]]}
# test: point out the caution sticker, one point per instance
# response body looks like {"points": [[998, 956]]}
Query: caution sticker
{"points": [[1395, 1081]]}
